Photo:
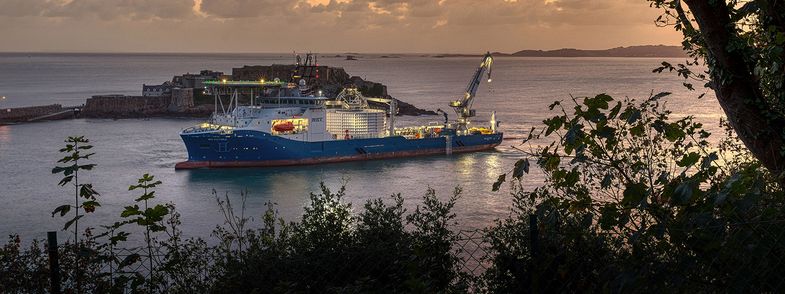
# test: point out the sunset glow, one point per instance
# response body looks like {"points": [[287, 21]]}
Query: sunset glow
{"points": [[453, 26]]}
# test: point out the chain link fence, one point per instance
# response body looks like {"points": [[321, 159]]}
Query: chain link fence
{"points": [[731, 257]]}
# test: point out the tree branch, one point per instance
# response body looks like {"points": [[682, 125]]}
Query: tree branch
{"points": [[737, 89]]}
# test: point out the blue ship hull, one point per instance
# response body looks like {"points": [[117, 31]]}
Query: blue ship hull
{"points": [[249, 148]]}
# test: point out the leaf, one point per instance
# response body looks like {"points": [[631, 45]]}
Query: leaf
{"points": [[615, 111], [634, 194], [732, 187], [521, 167], [674, 132], [598, 102], [130, 211], [119, 236], [72, 221], [606, 181], [688, 159], [499, 182], [129, 260], [551, 163], [156, 213], [609, 217], [553, 123], [62, 209], [637, 130], [87, 166], [571, 177], [65, 180], [606, 132], [706, 163], [683, 192], [87, 191], [659, 95], [574, 136], [631, 115], [146, 196]]}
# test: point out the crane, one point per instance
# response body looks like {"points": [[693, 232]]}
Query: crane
{"points": [[463, 107]]}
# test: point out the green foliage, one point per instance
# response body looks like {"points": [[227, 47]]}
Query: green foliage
{"points": [[151, 219], [742, 45], [74, 148], [23, 269], [75, 151], [635, 200], [333, 250]]}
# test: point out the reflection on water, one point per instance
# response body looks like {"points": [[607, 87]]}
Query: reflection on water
{"points": [[5, 135], [126, 149]]}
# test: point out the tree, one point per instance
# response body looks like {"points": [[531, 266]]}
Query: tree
{"points": [[741, 43], [633, 199]]}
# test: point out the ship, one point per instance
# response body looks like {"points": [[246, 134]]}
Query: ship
{"points": [[284, 123]]}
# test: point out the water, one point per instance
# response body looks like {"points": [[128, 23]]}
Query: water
{"points": [[125, 149]]}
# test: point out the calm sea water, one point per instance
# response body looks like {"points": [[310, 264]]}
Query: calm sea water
{"points": [[125, 149]]}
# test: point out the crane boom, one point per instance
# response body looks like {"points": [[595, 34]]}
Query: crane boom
{"points": [[463, 107]]}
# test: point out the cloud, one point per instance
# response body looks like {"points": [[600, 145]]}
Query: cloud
{"points": [[21, 8], [142, 10], [248, 8], [342, 25]]}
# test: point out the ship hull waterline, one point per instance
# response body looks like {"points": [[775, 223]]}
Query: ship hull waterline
{"points": [[241, 150]]}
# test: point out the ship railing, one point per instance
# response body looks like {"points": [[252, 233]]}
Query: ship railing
{"points": [[206, 128]]}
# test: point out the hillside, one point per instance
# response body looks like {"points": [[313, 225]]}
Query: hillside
{"points": [[631, 51]]}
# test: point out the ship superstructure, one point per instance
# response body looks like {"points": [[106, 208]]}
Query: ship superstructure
{"points": [[276, 123]]}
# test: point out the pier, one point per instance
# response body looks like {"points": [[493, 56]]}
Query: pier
{"points": [[38, 113]]}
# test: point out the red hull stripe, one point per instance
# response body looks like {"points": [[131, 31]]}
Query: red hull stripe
{"points": [[267, 163]]}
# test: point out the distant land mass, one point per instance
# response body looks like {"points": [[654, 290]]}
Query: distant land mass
{"points": [[631, 51]]}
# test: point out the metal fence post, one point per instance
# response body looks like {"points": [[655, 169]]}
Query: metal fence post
{"points": [[534, 235], [534, 247], [54, 263]]}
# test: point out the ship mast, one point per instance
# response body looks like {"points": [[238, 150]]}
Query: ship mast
{"points": [[463, 107]]}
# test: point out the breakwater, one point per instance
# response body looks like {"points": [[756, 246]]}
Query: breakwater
{"points": [[34, 113]]}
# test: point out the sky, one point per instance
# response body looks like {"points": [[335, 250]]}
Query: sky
{"points": [[380, 26]]}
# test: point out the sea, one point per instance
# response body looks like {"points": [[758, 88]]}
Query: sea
{"points": [[521, 90]]}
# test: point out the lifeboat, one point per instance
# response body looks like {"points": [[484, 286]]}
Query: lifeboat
{"points": [[285, 126]]}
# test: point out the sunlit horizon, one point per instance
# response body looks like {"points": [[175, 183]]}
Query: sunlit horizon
{"points": [[240, 26]]}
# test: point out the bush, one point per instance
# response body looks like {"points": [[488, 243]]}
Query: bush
{"points": [[332, 250], [636, 201]]}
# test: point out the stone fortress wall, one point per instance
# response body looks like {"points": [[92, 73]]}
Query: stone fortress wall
{"points": [[25, 113]]}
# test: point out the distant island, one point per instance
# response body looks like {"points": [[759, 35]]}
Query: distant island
{"points": [[631, 51]]}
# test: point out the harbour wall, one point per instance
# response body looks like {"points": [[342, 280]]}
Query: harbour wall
{"points": [[180, 103], [27, 113]]}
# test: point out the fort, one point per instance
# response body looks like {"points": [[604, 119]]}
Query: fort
{"points": [[183, 97]]}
